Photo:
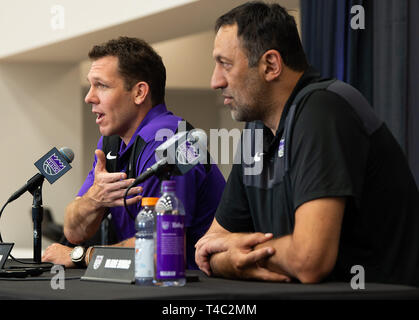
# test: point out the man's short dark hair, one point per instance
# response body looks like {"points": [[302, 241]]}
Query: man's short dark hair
{"points": [[262, 27], [137, 61]]}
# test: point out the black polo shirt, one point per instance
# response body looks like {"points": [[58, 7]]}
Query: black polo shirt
{"points": [[337, 149]]}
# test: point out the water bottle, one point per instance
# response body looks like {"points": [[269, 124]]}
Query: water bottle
{"points": [[144, 242], [170, 246]]}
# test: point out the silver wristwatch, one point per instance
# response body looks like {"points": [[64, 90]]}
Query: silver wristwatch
{"points": [[77, 256]]}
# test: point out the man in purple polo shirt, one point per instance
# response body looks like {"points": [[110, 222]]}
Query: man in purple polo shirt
{"points": [[127, 79]]}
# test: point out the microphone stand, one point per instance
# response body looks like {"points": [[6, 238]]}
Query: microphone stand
{"points": [[37, 216]]}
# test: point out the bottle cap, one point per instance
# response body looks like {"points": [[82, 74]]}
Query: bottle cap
{"points": [[149, 201], [168, 186]]}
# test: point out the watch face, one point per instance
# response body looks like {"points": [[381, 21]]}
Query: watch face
{"points": [[77, 253]]}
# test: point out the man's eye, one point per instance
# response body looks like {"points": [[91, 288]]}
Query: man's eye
{"points": [[226, 65], [100, 85], [223, 63]]}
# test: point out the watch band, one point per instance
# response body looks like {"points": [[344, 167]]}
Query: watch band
{"points": [[87, 255]]}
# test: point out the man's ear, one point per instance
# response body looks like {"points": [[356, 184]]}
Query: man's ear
{"points": [[140, 92], [272, 65]]}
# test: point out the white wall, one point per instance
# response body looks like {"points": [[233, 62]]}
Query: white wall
{"points": [[40, 108], [41, 22], [188, 61]]}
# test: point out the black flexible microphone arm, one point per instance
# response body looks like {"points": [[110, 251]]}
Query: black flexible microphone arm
{"points": [[162, 169], [32, 184]]}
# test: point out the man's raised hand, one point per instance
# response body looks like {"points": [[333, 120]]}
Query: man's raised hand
{"points": [[109, 188]]}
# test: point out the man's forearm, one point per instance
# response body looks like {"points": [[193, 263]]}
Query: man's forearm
{"points": [[82, 220], [283, 260], [127, 243], [310, 252], [295, 260]]}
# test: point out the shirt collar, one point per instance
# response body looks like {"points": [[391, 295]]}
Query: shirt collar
{"points": [[271, 141], [309, 76], [153, 113]]}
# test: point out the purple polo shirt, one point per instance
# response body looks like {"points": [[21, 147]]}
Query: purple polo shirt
{"points": [[199, 191]]}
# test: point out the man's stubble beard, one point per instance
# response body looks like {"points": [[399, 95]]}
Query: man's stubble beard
{"points": [[255, 108]]}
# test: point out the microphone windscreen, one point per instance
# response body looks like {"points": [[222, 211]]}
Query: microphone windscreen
{"points": [[199, 136], [67, 153]]}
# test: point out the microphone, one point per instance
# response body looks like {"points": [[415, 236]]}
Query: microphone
{"points": [[177, 155], [51, 166]]}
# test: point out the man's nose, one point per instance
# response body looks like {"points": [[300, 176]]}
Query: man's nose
{"points": [[91, 97], [218, 81]]}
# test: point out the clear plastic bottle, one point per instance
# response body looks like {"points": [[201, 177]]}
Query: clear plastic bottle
{"points": [[144, 242], [170, 238]]}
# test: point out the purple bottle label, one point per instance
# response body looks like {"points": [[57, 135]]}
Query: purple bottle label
{"points": [[170, 247]]}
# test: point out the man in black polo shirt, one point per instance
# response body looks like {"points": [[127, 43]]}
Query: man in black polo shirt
{"points": [[343, 198]]}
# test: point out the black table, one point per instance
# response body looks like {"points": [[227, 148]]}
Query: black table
{"points": [[206, 288], [207, 298]]}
